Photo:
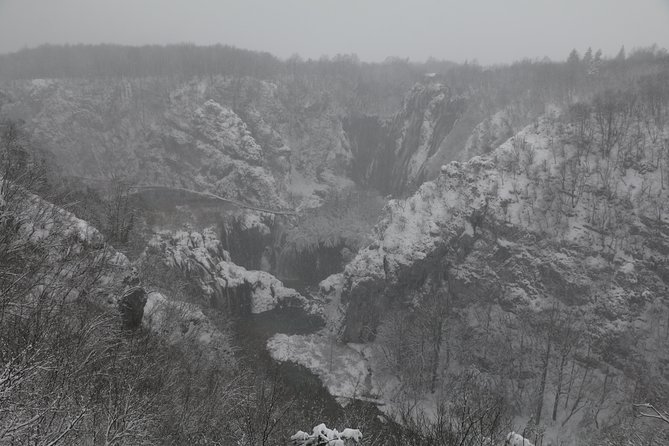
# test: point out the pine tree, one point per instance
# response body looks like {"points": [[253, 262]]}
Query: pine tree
{"points": [[621, 54], [587, 57], [595, 64]]}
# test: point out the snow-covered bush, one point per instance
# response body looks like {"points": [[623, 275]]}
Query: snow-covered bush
{"points": [[322, 436], [514, 439]]}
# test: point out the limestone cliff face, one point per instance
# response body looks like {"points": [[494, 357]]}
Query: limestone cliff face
{"points": [[393, 155], [224, 285]]}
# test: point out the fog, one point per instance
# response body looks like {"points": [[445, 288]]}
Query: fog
{"points": [[490, 31]]}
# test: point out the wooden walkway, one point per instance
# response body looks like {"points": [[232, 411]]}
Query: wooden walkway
{"points": [[213, 197]]}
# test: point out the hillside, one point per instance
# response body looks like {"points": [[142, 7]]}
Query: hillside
{"points": [[539, 271], [97, 348]]}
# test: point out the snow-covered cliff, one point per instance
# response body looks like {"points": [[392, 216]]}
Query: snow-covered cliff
{"points": [[251, 140], [200, 257], [540, 267], [393, 155]]}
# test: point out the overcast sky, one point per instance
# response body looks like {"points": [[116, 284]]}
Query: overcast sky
{"points": [[490, 31]]}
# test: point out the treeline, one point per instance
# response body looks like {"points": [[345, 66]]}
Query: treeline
{"points": [[111, 61], [538, 83], [188, 60], [523, 88], [183, 60]]}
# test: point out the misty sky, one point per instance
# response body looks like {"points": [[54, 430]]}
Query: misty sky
{"points": [[491, 31]]}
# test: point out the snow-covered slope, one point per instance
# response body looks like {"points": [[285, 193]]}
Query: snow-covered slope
{"points": [[67, 244], [549, 247], [536, 186], [183, 323]]}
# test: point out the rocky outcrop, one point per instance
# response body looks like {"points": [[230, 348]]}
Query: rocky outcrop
{"points": [[252, 239], [392, 156], [214, 147], [201, 258], [132, 307], [181, 323], [489, 134]]}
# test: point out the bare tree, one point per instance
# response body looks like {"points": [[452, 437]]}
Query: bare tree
{"points": [[120, 215], [647, 410], [612, 111]]}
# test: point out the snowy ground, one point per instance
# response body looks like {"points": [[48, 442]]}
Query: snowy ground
{"points": [[343, 370]]}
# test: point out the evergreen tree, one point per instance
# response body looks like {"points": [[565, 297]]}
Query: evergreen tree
{"points": [[621, 54], [595, 64], [587, 57]]}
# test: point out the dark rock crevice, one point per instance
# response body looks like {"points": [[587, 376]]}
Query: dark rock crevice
{"points": [[391, 155]]}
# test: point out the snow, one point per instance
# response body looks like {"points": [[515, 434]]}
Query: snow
{"points": [[202, 256], [441, 211], [514, 439], [353, 434], [250, 220], [227, 131], [119, 259], [178, 321], [267, 291], [323, 436], [332, 284], [342, 369], [627, 268]]}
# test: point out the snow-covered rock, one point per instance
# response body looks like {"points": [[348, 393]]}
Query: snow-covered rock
{"points": [[323, 436], [396, 155], [201, 257], [181, 323], [514, 439], [342, 369], [222, 128]]}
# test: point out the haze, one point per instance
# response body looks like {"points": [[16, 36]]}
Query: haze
{"points": [[490, 31]]}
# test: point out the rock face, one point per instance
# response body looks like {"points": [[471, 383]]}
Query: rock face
{"points": [[392, 156], [251, 239], [200, 257], [132, 307], [132, 302]]}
